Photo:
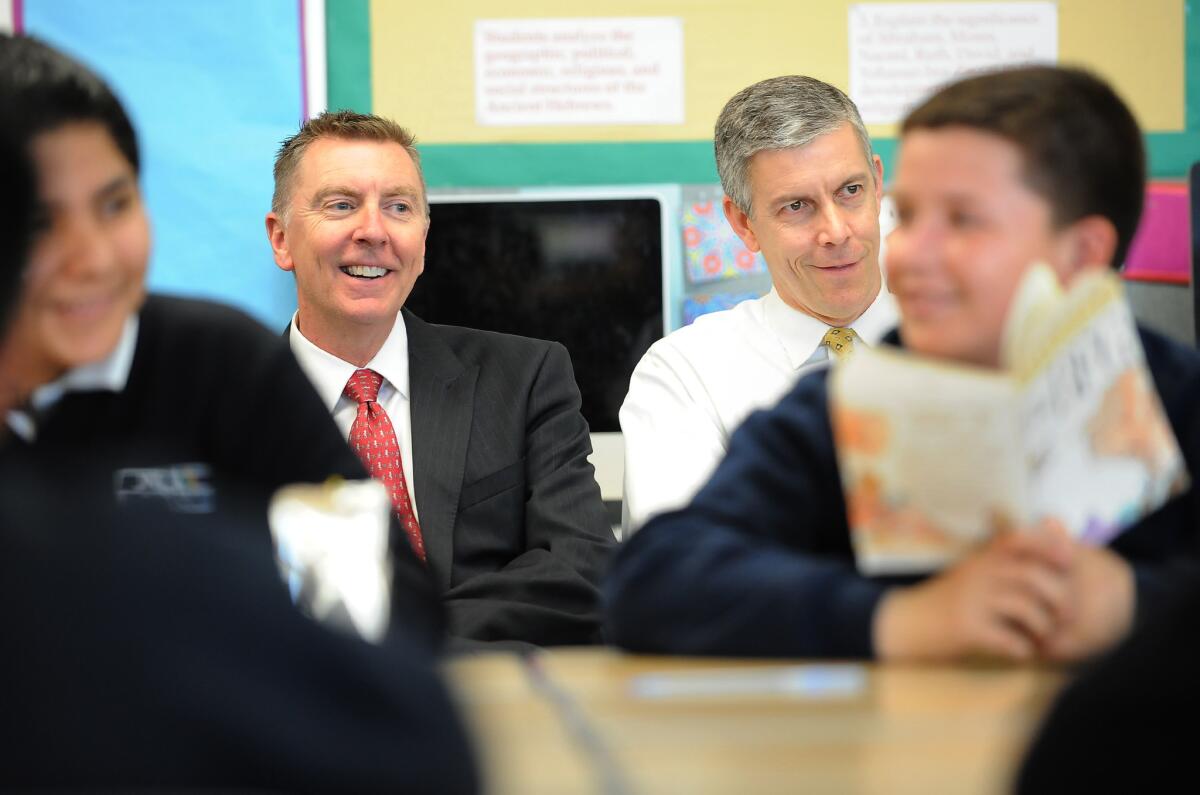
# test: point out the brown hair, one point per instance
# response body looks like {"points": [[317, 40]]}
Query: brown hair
{"points": [[347, 125], [1081, 146]]}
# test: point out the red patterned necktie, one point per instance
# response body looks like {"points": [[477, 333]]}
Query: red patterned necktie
{"points": [[374, 439]]}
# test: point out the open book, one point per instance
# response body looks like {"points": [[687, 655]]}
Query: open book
{"points": [[935, 457]]}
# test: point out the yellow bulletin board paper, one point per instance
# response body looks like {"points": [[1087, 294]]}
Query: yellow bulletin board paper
{"points": [[423, 65]]}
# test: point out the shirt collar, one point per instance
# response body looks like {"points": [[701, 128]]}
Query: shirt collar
{"points": [[801, 334], [110, 374], [880, 318], [329, 374]]}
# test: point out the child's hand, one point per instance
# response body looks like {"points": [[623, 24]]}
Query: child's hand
{"points": [[1009, 600], [1102, 595]]}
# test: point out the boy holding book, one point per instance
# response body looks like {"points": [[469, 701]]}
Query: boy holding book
{"points": [[995, 173]]}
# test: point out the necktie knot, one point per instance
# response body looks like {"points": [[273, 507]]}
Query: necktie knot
{"points": [[840, 341], [363, 386]]}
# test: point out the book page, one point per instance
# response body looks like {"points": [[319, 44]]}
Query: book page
{"points": [[1099, 450], [928, 455]]}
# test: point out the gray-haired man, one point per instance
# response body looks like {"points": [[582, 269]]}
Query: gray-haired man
{"points": [[803, 187]]}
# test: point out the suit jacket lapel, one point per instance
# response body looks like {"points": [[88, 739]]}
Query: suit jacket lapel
{"points": [[443, 401]]}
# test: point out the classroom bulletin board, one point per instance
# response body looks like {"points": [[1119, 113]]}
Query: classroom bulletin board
{"points": [[414, 62]]}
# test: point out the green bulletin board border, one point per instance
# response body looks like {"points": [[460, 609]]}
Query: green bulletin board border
{"points": [[348, 54], [348, 38]]}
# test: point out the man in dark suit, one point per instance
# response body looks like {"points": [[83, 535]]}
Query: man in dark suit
{"points": [[477, 435]]}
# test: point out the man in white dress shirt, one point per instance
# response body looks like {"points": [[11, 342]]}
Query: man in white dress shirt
{"points": [[803, 187]]}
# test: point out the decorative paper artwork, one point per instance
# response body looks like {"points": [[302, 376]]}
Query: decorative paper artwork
{"points": [[713, 251]]}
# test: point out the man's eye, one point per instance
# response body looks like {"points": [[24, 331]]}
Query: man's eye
{"points": [[853, 189], [797, 205], [340, 206], [400, 207]]}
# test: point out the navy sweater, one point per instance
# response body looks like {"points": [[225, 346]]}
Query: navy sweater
{"points": [[760, 563]]}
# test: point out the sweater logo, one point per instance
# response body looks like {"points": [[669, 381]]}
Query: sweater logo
{"points": [[185, 488]]}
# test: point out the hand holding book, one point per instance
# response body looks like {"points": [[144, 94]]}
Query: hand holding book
{"points": [[938, 457]]}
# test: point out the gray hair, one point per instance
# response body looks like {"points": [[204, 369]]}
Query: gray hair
{"points": [[779, 113]]}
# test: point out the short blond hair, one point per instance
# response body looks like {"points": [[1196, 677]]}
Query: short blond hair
{"points": [[347, 125]]}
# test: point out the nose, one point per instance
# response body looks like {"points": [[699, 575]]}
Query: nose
{"points": [[370, 230], [83, 247], [835, 228]]}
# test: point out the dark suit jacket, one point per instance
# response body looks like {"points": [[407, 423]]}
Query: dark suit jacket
{"points": [[151, 648], [514, 527]]}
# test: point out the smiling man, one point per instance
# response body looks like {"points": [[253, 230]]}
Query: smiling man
{"points": [[477, 435], [803, 188]]}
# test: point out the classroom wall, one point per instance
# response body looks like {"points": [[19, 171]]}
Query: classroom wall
{"points": [[215, 85], [1150, 50], [212, 88]]}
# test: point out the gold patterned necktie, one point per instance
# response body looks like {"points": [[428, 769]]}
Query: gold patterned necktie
{"points": [[840, 342]]}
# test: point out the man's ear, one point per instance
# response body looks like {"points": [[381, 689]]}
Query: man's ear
{"points": [[277, 235], [877, 162], [740, 223], [1089, 242]]}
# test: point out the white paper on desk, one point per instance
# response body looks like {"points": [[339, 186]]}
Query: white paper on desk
{"points": [[816, 682], [331, 543]]}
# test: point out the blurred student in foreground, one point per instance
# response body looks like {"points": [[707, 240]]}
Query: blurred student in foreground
{"points": [[146, 646], [1110, 730], [995, 172], [183, 403]]}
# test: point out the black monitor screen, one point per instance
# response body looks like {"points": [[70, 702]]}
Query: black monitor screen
{"points": [[586, 273]]}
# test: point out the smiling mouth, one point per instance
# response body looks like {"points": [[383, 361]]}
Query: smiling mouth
{"points": [[87, 307], [843, 265], [924, 303], [839, 268], [363, 271]]}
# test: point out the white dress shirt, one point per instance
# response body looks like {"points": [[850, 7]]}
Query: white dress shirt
{"points": [[110, 374], [696, 385], [329, 375]]}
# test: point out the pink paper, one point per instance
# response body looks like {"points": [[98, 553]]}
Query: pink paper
{"points": [[1161, 250]]}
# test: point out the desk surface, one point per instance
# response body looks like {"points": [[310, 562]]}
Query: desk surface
{"points": [[582, 721]]}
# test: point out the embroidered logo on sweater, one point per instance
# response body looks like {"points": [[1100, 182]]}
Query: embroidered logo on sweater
{"points": [[183, 487]]}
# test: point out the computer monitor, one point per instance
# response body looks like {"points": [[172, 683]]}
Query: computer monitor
{"points": [[588, 267]]}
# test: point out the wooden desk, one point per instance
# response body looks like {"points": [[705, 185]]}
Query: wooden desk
{"points": [[906, 729]]}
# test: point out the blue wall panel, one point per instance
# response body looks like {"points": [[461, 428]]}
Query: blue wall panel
{"points": [[213, 87]]}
